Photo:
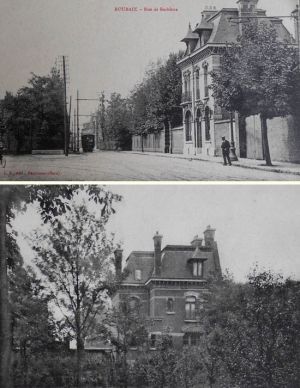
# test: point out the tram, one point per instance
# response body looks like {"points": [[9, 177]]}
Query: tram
{"points": [[88, 143]]}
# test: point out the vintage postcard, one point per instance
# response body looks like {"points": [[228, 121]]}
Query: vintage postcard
{"points": [[145, 286], [149, 90]]}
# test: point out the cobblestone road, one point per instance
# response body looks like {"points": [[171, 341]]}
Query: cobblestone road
{"points": [[118, 166]]}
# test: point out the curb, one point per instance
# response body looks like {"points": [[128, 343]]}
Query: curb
{"points": [[236, 164]]}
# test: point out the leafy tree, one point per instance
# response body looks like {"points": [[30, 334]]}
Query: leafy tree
{"points": [[38, 107], [117, 119], [74, 255], [32, 323], [124, 326], [257, 77], [156, 101], [52, 201], [190, 369], [259, 327], [158, 368]]}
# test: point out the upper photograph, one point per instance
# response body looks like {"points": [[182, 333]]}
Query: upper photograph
{"points": [[149, 90]]}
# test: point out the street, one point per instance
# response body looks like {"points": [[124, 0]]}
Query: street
{"points": [[123, 166]]}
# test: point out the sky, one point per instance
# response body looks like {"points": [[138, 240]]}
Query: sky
{"points": [[106, 50], [254, 223]]}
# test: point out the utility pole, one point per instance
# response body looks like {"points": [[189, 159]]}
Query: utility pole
{"points": [[65, 108], [69, 126], [78, 141], [74, 131]]}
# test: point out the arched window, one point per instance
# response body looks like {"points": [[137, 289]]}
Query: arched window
{"points": [[197, 79], [188, 126], [190, 308], [133, 303], [205, 81], [207, 123], [199, 130]]}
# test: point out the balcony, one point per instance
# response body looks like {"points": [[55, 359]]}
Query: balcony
{"points": [[186, 97]]}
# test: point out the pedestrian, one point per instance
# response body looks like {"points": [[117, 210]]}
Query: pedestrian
{"points": [[225, 151]]}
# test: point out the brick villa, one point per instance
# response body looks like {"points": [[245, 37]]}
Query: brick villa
{"points": [[170, 285]]}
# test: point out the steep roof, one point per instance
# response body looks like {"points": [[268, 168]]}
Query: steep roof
{"points": [[223, 27], [190, 35], [175, 263], [139, 260]]}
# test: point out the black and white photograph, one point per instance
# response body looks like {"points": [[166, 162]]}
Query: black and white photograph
{"points": [[149, 194], [154, 90], [133, 286]]}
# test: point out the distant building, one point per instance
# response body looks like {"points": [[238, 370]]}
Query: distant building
{"points": [[171, 284], [204, 122]]}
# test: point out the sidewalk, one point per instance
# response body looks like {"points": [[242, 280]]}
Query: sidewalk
{"points": [[279, 167]]}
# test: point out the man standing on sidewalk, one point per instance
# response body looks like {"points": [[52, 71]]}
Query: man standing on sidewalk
{"points": [[225, 151]]}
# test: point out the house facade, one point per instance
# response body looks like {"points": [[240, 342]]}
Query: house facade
{"points": [[170, 285], [204, 123]]}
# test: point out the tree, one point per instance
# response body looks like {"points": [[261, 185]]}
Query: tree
{"points": [[39, 107], [190, 369], [33, 328], [52, 201], [258, 325], [156, 101], [124, 326], [257, 77], [74, 255], [158, 368], [117, 121]]}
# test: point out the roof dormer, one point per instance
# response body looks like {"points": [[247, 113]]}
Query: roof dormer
{"points": [[190, 40]]}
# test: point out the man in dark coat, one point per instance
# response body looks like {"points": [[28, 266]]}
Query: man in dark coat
{"points": [[225, 151]]}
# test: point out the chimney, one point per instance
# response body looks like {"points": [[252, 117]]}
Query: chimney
{"points": [[197, 242], [157, 253], [118, 262], [295, 15], [247, 7], [209, 236], [208, 12]]}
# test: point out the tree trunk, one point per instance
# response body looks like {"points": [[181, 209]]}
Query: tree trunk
{"points": [[5, 324], [79, 356], [265, 141], [79, 342]]}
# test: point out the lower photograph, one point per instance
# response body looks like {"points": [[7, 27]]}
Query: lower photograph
{"points": [[145, 285]]}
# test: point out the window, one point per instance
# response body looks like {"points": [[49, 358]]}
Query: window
{"points": [[197, 85], [138, 274], [190, 308], [205, 81], [170, 305], [207, 123], [188, 126], [152, 341], [186, 87], [133, 303], [191, 339], [197, 268], [199, 130]]}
